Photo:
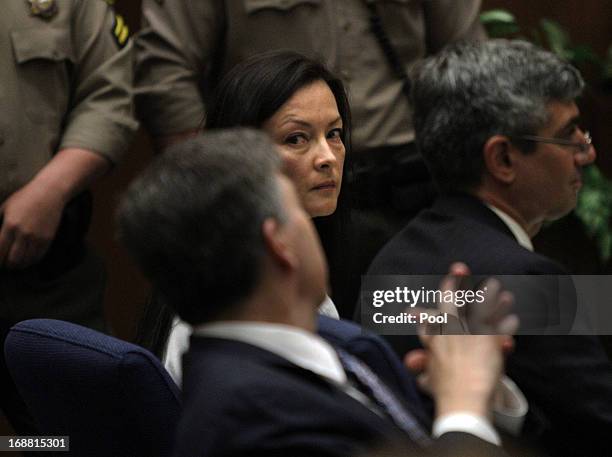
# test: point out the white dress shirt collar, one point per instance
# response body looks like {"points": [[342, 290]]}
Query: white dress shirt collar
{"points": [[519, 232], [328, 308], [302, 348]]}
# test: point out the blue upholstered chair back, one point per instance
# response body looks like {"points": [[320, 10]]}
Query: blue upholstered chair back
{"points": [[111, 397]]}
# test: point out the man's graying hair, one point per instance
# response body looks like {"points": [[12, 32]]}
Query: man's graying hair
{"points": [[193, 219], [470, 92]]}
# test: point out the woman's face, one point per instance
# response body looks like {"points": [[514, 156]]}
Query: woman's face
{"points": [[308, 129]]}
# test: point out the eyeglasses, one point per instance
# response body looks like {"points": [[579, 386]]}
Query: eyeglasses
{"points": [[583, 146]]}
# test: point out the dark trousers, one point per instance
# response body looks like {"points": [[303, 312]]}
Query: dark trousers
{"points": [[67, 284], [383, 189]]}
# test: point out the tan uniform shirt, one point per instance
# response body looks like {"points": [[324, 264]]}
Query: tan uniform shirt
{"points": [[65, 82], [185, 46]]}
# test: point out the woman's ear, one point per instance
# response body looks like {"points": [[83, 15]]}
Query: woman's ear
{"points": [[499, 158], [278, 244]]}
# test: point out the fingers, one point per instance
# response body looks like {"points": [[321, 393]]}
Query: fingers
{"points": [[462, 310], [459, 269], [427, 328], [455, 280], [19, 251], [497, 318], [6, 241], [416, 361], [500, 308], [509, 325], [424, 382], [30, 219], [481, 312], [507, 345], [450, 284], [31, 251], [492, 314], [425, 331]]}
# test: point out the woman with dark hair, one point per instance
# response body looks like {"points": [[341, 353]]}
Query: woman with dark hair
{"points": [[274, 91], [304, 109]]}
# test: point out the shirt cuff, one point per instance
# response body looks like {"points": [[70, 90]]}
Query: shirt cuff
{"points": [[509, 413], [468, 423]]}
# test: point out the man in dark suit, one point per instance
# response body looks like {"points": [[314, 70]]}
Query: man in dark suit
{"points": [[497, 125], [222, 235]]}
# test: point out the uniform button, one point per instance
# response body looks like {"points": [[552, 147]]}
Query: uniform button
{"points": [[346, 26], [345, 74], [1, 141]]}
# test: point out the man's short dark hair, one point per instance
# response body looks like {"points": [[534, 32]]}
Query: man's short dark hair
{"points": [[193, 219], [470, 92]]}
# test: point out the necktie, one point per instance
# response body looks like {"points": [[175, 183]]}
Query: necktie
{"points": [[384, 398]]}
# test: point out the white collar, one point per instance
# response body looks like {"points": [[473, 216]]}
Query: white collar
{"points": [[519, 232], [304, 349], [328, 308]]}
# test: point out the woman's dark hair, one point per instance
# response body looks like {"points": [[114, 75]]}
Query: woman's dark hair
{"points": [[255, 89]]}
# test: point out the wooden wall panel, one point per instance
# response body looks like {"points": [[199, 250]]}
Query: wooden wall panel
{"points": [[588, 21]]}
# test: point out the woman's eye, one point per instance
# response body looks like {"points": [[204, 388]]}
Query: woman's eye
{"points": [[298, 138], [335, 134]]}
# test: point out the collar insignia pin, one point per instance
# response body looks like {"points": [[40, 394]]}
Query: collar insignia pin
{"points": [[43, 8]]}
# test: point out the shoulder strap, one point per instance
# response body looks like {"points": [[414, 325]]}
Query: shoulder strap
{"points": [[378, 29]]}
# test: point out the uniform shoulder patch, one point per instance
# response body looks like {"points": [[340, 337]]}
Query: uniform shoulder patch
{"points": [[120, 30]]}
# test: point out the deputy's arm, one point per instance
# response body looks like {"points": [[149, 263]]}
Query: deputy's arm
{"points": [[101, 115], [449, 21], [99, 127], [32, 214], [174, 54]]}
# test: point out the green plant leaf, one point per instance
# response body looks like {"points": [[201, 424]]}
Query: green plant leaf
{"points": [[585, 54], [497, 16], [607, 67], [499, 23], [594, 209], [557, 38]]}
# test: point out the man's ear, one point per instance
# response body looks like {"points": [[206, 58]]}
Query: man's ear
{"points": [[278, 245], [499, 155]]}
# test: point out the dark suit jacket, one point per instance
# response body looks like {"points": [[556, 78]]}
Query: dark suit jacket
{"points": [[378, 356], [566, 379], [241, 400]]}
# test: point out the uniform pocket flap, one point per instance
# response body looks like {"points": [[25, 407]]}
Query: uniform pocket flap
{"points": [[252, 6], [398, 1], [42, 43]]}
